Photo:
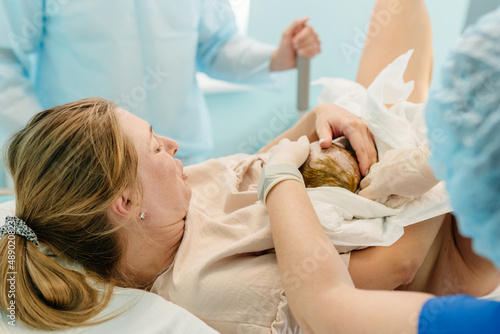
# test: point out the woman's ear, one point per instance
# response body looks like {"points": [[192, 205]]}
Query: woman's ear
{"points": [[122, 206]]}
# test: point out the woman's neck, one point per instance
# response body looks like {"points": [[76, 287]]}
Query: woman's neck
{"points": [[146, 260]]}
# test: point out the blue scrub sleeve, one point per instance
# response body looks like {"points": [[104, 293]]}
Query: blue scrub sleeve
{"points": [[21, 29], [226, 55], [459, 314]]}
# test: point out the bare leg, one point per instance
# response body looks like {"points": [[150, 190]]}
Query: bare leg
{"points": [[397, 26], [386, 268]]}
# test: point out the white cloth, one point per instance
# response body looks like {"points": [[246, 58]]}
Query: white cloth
{"points": [[400, 126], [493, 295], [353, 222], [148, 314]]}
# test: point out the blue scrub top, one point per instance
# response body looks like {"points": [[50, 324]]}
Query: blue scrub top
{"points": [[459, 314], [142, 54]]}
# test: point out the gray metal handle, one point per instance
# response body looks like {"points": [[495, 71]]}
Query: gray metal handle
{"points": [[304, 75], [6, 192]]}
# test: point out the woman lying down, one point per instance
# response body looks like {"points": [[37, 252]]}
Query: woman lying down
{"points": [[98, 187]]}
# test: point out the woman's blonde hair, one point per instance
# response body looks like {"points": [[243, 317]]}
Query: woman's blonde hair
{"points": [[68, 165]]}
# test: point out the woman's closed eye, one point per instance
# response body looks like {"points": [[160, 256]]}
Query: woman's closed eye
{"points": [[159, 146]]}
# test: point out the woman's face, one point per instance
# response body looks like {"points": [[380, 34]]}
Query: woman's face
{"points": [[152, 244], [165, 190]]}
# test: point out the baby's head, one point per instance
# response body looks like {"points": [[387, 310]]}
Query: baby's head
{"points": [[334, 167]]}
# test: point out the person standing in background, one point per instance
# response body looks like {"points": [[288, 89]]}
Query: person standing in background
{"points": [[144, 55]]}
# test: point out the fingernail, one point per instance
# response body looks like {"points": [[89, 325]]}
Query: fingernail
{"points": [[367, 171], [321, 140]]}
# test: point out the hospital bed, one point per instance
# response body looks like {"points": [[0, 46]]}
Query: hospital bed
{"points": [[6, 192]]}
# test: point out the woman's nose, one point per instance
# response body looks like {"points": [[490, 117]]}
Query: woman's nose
{"points": [[172, 146]]}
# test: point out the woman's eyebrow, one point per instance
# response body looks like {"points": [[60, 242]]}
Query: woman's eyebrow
{"points": [[150, 133]]}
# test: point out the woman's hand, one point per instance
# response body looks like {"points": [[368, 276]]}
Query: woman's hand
{"points": [[327, 121], [333, 121], [292, 153], [299, 39]]}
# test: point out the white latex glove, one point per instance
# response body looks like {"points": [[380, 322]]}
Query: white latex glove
{"points": [[286, 158], [403, 172], [289, 152]]}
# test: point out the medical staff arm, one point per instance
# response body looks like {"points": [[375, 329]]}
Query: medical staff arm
{"points": [[327, 121], [317, 284], [226, 55], [21, 26]]}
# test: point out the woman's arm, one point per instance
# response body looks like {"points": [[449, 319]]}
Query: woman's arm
{"points": [[320, 291], [304, 127]]}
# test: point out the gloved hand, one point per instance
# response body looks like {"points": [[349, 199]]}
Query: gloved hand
{"points": [[283, 165], [403, 172], [289, 152]]}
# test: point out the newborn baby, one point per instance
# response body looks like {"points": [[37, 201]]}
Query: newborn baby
{"points": [[335, 166]]}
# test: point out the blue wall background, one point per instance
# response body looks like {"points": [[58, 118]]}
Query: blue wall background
{"points": [[478, 7], [245, 121]]}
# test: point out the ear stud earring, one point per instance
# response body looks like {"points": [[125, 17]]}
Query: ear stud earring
{"points": [[142, 216]]}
